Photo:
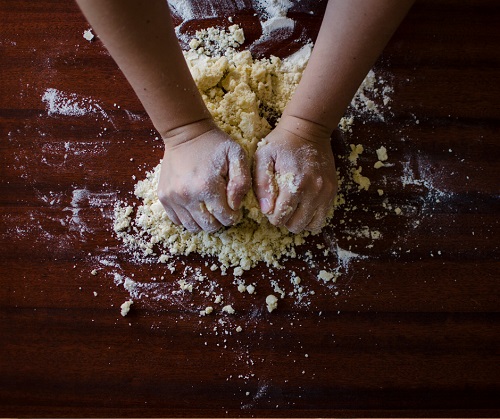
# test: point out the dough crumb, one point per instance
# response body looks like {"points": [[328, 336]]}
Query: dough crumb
{"points": [[228, 309], [271, 302], [125, 307], [356, 151], [185, 286], [206, 311], [327, 276], [287, 180], [362, 181], [382, 154], [88, 35]]}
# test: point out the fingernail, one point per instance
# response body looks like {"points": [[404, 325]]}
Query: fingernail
{"points": [[265, 205], [235, 206]]}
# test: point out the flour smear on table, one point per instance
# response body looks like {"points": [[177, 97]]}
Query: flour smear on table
{"points": [[245, 96], [235, 83]]}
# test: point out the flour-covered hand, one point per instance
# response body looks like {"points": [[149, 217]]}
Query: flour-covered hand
{"points": [[204, 178], [295, 179]]}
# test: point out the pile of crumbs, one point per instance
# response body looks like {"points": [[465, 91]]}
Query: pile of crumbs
{"points": [[245, 96]]}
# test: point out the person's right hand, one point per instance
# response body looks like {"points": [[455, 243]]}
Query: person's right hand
{"points": [[295, 179], [204, 177]]}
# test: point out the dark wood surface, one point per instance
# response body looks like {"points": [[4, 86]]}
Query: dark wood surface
{"points": [[414, 330]]}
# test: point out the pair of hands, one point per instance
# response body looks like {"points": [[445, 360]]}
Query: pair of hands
{"points": [[205, 175]]}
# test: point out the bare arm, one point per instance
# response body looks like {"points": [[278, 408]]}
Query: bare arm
{"points": [[352, 36], [204, 174], [140, 37]]}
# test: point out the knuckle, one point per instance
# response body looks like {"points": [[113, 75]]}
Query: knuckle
{"points": [[163, 195]]}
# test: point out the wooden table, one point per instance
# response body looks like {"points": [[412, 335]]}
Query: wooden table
{"points": [[414, 329]]}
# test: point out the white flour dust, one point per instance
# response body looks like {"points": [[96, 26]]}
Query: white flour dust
{"points": [[246, 96], [70, 104], [243, 94], [272, 15]]}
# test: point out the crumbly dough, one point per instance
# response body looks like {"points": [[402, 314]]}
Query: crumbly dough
{"points": [[245, 96]]}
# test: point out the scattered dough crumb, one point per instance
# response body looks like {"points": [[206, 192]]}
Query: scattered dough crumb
{"points": [[206, 311], [185, 286], [125, 307], [382, 153], [326, 276], [228, 309], [88, 35], [356, 150], [362, 181], [272, 302]]}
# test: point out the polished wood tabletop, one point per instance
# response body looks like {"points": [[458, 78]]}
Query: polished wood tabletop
{"points": [[410, 328]]}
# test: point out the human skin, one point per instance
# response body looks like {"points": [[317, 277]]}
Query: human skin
{"points": [[205, 174], [352, 36]]}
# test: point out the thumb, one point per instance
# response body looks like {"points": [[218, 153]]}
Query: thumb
{"points": [[265, 187], [239, 178]]}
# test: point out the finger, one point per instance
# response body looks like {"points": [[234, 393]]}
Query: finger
{"points": [[167, 207], [187, 220], [172, 215], [285, 207], [264, 186], [318, 221], [239, 182], [300, 218], [216, 204], [204, 219]]}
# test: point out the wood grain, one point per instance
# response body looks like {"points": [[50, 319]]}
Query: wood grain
{"points": [[414, 330]]}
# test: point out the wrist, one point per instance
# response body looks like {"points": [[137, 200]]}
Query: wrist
{"points": [[306, 129], [187, 132]]}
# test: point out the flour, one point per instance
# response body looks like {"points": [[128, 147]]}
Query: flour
{"points": [[246, 97], [71, 104], [372, 97], [60, 103], [243, 96]]}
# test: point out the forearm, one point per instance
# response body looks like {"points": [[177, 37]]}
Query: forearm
{"points": [[140, 37], [351, 38]]}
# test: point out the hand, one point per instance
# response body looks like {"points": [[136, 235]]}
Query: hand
{"points": [[204, 177], [295, 179]]}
